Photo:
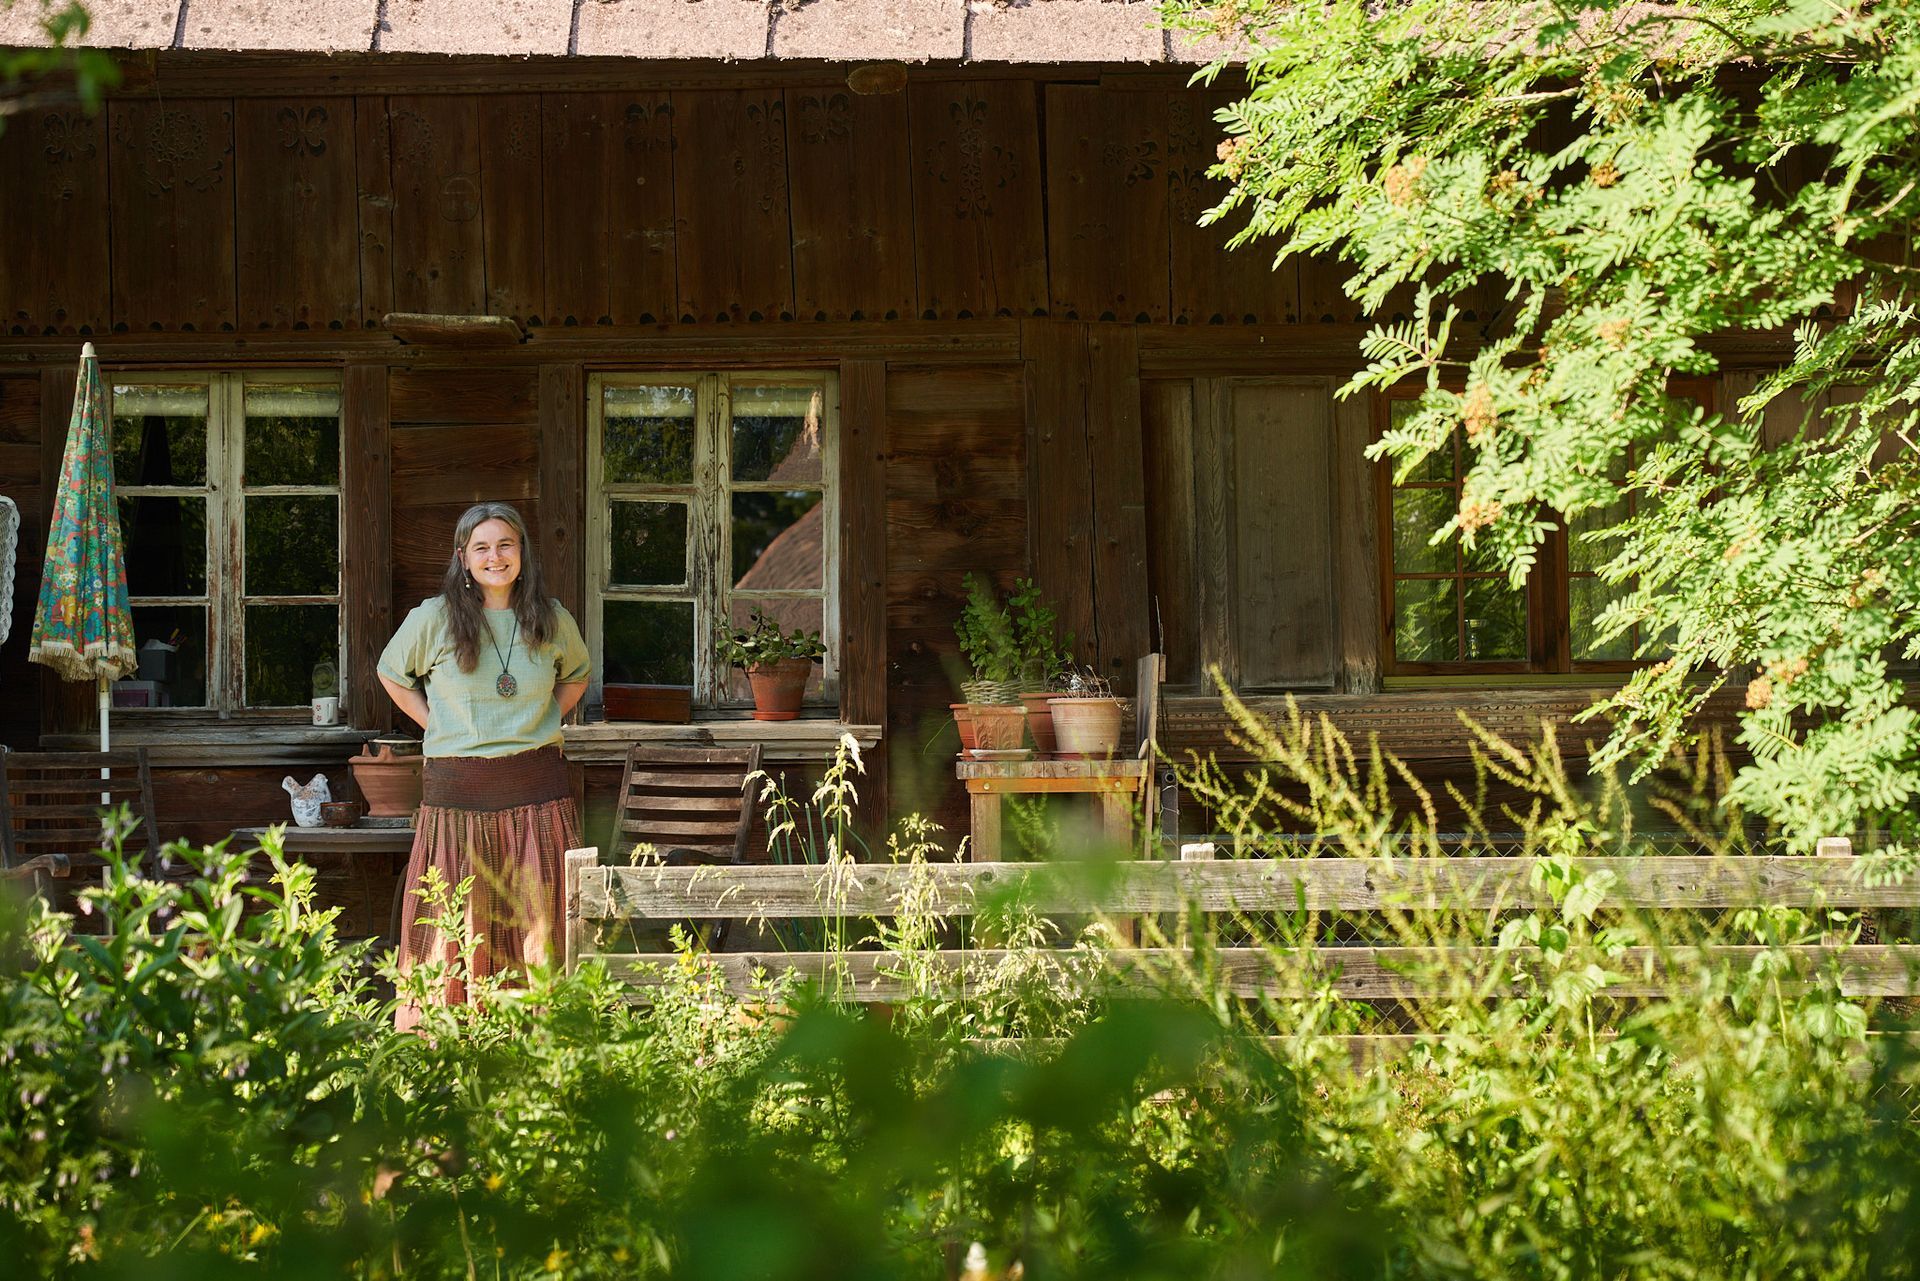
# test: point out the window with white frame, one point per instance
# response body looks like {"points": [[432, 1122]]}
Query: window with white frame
{"points": [[228, 487], [711, 494]]}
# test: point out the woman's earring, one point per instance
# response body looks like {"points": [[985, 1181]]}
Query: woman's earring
{"points": [[469, 582]]}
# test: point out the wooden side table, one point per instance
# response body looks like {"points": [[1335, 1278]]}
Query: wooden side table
{"points": [[1118, 784], [393, 837]]}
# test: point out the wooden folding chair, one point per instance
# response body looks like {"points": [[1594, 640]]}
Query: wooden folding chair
{"points": [[50, 810], [692, 805]]}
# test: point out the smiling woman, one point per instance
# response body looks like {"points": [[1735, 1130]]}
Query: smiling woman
{"points": [[488, 668]]}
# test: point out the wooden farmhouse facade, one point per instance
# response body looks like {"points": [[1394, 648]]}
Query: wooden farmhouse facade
{"points": [[822, 333]]}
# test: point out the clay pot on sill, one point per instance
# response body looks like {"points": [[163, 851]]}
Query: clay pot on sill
{"points": [[388, 776], [1087, 727], [1040, 723], [999, 727], [779, 688], [963, 721]]}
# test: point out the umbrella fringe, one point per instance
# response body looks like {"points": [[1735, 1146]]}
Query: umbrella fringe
{"points": [[115, 661]]}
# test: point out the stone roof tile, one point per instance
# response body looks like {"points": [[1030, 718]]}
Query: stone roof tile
{"points": [[295, 26], [115, 24], [510, 27], [731, 29], [870, 30], [1066, 31]]}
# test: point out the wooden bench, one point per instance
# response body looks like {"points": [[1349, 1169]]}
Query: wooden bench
{"points": [[597, 896]]}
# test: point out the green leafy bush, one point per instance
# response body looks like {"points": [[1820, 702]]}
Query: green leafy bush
{"points": [[210, 1089]]}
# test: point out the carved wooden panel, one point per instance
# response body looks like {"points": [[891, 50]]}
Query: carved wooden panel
{"points": [[852, 205], [53, 223], [295, 233], [1211, 284], [1107, 203], [980, 244], [731, 208], [608, 163], [171, 165], [640, 217], [439, 256], [510, 206], [373, 161]]}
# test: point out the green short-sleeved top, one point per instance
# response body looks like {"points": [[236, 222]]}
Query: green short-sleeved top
{"points": [[466, 713]]}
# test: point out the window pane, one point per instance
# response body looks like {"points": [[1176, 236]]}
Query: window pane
{"points": [[776, 433], [164, 544], [1587, 598], [779, 541], [1437, 466], [1425, 626], [1586, 553], [649, 544], [172, 673], [293, 546], [1496, 619], [647, 642], [648, 436], [788, 615], [293, 435], [159, 435], [1417, 514], [284, 644]]}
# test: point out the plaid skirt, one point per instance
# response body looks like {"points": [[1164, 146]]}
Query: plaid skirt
{"points": [[507, 823]]}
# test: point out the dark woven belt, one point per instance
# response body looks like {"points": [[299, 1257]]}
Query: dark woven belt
{"points": [[495, 782]]}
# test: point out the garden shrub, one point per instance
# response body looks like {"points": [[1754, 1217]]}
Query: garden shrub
{"points": [[212, 1088]]}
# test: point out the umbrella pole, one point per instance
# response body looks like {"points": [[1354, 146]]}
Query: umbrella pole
{"points": [[106, 703]]}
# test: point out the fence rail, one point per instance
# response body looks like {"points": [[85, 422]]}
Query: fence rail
{"points": [[598, 895]]}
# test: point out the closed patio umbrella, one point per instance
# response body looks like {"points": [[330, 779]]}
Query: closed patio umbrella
{"points": [[83, 628]]}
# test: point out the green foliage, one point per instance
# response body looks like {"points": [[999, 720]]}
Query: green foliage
{"points": [[35, 77], [1648, 187], [763, 643], [1012, 641], [207, 1090]]}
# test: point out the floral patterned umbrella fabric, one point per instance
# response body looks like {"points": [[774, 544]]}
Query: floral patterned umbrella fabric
{"points": [[83, 628]]}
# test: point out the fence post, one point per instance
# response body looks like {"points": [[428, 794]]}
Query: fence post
{"points": [[1833, 847], [578, 861]]}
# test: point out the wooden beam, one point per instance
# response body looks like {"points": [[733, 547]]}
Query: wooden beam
{"points": [[427, 328], [1356, 550], [563, 435], [1060, 520], [1350, 973], [366, 571], [863, 569], [1116, 451]]}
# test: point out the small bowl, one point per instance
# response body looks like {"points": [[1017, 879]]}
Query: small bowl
{"points": [[339, 813]]}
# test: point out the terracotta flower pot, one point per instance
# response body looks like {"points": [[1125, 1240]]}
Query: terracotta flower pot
{"points": [[999, 728], [1086, 726], [779, 688], [1040, 723], [389, 781], [963, 721]]}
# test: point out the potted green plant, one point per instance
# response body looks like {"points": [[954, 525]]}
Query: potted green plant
{"points": [[988, 642], [777, 663]]}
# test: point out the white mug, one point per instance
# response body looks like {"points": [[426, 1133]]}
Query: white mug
{"points": [[326, 711]]}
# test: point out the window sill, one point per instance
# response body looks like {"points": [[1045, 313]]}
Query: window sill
{"points": [[606, 742], [220, 743]]}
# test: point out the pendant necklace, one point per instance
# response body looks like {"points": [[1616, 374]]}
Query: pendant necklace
{"points": [[507, 686]]}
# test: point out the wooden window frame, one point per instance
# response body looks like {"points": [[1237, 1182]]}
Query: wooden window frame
{"points": [[225, 492], [708, 498], [1548, 601]]}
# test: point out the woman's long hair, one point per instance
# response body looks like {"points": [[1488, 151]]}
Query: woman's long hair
{"points": [[465, 605]]}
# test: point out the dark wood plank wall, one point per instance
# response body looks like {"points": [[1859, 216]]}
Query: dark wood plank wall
{"points": [[676, 220], [815, 203]]}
